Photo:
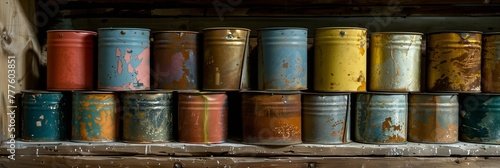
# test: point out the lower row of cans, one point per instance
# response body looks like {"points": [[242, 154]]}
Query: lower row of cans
{"points": [[268, 118]]}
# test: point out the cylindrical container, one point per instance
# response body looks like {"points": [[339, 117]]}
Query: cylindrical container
{"points": [[271, 118], [147, 117], [175, 60], [123, 59], [480, 118], [225, 53], [282, 63], [490, 72], [340, 59], [454, 62], [202, 117], [395, 62], [70, 59], [433, 118], [44, 116], [381, 118], [95, 117], [326, 118]]}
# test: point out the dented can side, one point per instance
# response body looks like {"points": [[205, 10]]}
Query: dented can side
{"points": [[433, 118], [326, 118], [490, 72], [395, 62], [454, 62], [480, 118], [123, 59]]}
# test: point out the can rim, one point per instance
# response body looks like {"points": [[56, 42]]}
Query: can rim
{"points": [[272, 92], [281, 28], [200, 92], [76, 31], [41, 91], [147, 91], [385, 93], [399, 33], [481, 94], [435, 94], [492, 33], [123, 28], [326, 93], [454, 31], [223, 28], [175, 31], [357, 28], [92, 91]]}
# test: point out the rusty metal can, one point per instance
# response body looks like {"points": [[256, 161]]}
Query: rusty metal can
{"points": [[95, 117], [326, 118], [70, 59], [225, 54], [123, 59], [381, 118], [282, 63], [395, 61], [433, 118], [44, 116], [340, 59], [175, 60], [490, 72], [271, 118], [480, 118], [454, 62], [147, 116], [202, 117]]}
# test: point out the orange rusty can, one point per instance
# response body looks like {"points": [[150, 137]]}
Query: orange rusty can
{"points": [[271, 118], [70, 59], [202, 117], [490, 72]]}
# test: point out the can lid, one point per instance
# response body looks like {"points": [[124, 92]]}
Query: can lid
{"points": [[326, 93], [271, 92], [41, 91], [92, 92], [200, 93], [481, 94], [175, 31], [492, 33], [227, 28], [123, 28], [454, 31], [358, 28], [281, 28], [75, 31], [399, 33], [385, 93], [432, 94], [147, 91]]}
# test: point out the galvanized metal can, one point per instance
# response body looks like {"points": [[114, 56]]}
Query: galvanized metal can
{"points": [[123, 59], [271, 118], [95, 117], [282, 63], [433, 118], [340, 59], [395, 61], [326, 118], [202, 117], [454, 62], [226, 51], [44, 116], [70, 59], [147, 116], [480, 118], [175, 60], [490, 72], [381, 118]]}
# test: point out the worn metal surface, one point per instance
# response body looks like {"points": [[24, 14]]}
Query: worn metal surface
{"points": [[480, 118], [271, 118], [454, 62], [490, 72], [224, 53], [175, 60], [202, 117], [70, 59], [340, 59], [395, 61], [433, 118], [147, 117], [44, 116], [123, 59], [282, 63], [381, 118], [326, 118], [95, 117]]}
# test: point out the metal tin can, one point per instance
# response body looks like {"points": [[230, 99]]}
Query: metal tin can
{"points": [[271, 118], [175, 60], [454, 62], [480, 118], [123, 59], [326, 118], [226, 51], [147, 117], [70, 59], [44, 116], [340, 59], [381, 118], [395, 61], [490, 72], [95, 117], [433, 118], [282, 63], [202, 117]]}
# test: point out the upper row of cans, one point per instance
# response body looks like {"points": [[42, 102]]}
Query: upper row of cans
{"points": [[340, 61]]}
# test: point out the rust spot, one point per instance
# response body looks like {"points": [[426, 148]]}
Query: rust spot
{"points": [[387, 125], [285, 65]]}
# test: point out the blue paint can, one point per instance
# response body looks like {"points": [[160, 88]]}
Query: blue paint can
{"points": [[480, 118]]}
